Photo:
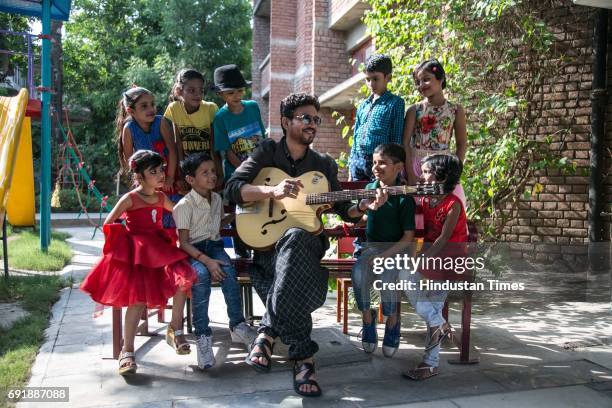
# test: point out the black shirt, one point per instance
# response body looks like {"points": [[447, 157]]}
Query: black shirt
{"points": [[270, 153]]}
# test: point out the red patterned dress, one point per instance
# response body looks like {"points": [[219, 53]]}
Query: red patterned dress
{"points": [[140, 261]]}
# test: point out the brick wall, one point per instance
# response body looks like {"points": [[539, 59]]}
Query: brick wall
{"points": [[560, 213], [261, 48], [304, 48], [305, 56], [283, 22], [339, 7]]}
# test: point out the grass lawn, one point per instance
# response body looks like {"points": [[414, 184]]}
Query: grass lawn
{"points": [[36, 294], [19, 345], [24, 251]]}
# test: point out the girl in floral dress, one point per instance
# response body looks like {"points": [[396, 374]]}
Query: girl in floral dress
{"points": [[430, 124]]}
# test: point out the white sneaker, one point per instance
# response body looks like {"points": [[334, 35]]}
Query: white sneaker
{"points": [[206, 357], [243, 333]]}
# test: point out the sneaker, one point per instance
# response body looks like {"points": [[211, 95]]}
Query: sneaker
{"points": [[369, 336], [391, 340], [206, 357], [243, 333]]}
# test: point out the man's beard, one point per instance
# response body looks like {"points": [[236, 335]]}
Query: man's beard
{"points": [[307, 138]]}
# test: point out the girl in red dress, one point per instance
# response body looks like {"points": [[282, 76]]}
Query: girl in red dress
{"points": [[141, 265], [446, 239]]}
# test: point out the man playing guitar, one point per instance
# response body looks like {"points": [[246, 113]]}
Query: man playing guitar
{"points": [[288, 277]]}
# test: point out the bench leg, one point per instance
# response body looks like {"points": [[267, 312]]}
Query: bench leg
{"points": [[338, 300], [249, 292], [398, 311], [189, 316], [345, 308], [466, 317], [161, 314], [445, 310], [117, 332]]}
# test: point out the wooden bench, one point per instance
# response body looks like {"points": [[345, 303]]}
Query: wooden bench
{"points": [[339, 268], [343, 283]]}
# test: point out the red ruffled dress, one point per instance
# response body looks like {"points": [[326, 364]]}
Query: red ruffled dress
{"points": [[434, 218], [140, 261]]}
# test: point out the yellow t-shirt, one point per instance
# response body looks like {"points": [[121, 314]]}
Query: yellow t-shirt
{"points": [[195, 128]]}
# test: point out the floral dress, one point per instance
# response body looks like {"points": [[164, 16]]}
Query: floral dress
{"points": [[434, 128]]}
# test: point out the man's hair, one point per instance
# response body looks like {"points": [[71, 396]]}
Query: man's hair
{"points": [[393, 151], [446, 167], [294, 101], [190, 164], [379, 63]]}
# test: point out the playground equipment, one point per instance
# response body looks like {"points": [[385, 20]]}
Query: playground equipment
{"points": [[12, 111], [45, 9], [71, 168]]}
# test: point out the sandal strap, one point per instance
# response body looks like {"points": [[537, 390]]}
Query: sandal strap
{"points": [[263, 342], [300, 368], [178, 332], [428, 368], [127, 354]]}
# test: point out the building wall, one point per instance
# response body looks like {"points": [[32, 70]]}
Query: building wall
{"points": [[261, 49], [560, 213], [301, 43]]}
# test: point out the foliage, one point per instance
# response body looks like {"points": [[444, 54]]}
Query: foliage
{"points": [[19, 345], [72, 200], [499, 57], [17, 23], [110, 45]]}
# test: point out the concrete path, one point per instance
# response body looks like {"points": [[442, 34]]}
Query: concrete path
{"points": [[534, 351]]}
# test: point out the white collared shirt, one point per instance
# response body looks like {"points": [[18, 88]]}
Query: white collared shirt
{"points": [[203, 219]]}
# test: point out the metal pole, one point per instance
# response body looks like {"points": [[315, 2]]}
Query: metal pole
{"points": [[45, 165], [5, 247], [30, 67]]}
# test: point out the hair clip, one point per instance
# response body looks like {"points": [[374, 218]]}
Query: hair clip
{"points": [[132, 164], [434, 69]]}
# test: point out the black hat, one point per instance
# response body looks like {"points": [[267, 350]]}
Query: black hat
{"points": [[229, 77]]}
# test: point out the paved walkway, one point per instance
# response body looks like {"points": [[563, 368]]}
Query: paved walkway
{"points": [[534, 351]]}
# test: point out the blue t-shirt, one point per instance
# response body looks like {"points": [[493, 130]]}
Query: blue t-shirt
{"points": [[151, 140], [240, 132]]}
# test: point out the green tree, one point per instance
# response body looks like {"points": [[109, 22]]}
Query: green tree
{"points": [[12, 22], [112, 44]]}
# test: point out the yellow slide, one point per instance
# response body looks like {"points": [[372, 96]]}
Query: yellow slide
{"points": [[16, 168]]}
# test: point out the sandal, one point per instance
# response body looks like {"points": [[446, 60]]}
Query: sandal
{"points": [[128, 367], [439, 334], [172, 338], [421, 372], [305, 380], [262, 342]]}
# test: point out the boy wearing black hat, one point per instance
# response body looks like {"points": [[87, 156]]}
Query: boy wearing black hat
{"points": [[237, 126]]}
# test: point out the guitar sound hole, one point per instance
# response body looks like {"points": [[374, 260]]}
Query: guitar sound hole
{"points": [[283, 218]]}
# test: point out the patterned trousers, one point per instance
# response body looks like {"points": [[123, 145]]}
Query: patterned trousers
{"points": [[292, 284]]}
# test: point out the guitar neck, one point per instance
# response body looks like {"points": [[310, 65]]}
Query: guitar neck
{"points": [[344, 195]]}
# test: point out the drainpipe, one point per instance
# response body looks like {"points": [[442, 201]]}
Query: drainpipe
{"points": [[599, 100]]}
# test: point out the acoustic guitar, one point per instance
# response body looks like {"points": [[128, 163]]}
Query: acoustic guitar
{"points": [[260, 224]]}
